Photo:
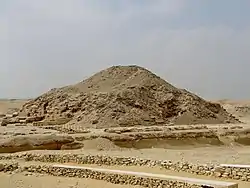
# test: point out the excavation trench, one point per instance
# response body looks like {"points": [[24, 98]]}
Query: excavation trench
{"points": [[184, 143], [106, 144]]}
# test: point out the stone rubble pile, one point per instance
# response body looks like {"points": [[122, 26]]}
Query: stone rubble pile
{"points": [[242, 174], [125, 96]]}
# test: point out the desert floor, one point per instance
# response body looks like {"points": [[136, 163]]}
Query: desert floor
{"points": [[38, 181]]}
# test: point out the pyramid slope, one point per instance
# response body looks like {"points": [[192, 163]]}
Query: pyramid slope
{"points": [[126, 96]]}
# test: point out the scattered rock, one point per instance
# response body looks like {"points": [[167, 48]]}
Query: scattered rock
{"points": [[8, 115], [4, 122], [2, 167], [15, 114], [34, 119]]}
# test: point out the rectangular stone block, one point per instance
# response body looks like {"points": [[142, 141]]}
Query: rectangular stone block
{"points": [[235, 166]]}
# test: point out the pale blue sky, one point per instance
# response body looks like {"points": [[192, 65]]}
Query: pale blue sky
{"points": [[200, 45]]}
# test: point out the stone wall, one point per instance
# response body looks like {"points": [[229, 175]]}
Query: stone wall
{"points": [[93, 174], [242, 174], [170, 127], [8, 167]]}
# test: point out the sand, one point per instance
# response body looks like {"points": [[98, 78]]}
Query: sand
{"points": [[42, 181], [8, 105]]}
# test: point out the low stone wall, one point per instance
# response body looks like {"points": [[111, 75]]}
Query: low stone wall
{"points": [[110, 177], [65, 129], [6, 167], [242, 174], [237, 173], [121, 130], [93, 174]]}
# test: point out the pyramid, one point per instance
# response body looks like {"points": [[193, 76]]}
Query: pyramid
{"points": [[126, 96]]}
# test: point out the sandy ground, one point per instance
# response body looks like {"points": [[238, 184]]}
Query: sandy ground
{"points": [[38, 181], [216, 155], [7, 105]]}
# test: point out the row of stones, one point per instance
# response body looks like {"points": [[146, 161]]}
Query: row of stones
{"points": [[93, 174], [208, 170], [66, 129], [35, 120], [19, 120], [150, 129], [166, 128]]}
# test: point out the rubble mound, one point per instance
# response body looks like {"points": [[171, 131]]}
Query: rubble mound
{"points": [[100, 144], [125, 96]]}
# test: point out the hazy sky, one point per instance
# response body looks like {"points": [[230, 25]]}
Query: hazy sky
{"points": [[200, 45]]}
